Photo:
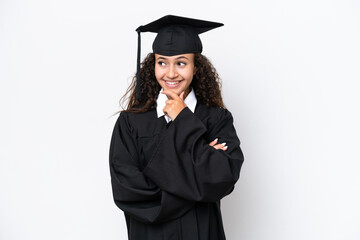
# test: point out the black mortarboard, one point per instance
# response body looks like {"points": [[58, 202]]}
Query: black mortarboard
{"points": [[175, 35]]}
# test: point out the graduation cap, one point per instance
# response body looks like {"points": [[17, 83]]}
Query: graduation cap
{"points": [[175, 35]]}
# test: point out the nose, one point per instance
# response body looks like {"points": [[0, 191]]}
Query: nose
{"points": [[171, 73]]}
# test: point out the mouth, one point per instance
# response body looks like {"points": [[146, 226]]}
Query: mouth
{"points": [[172, 84]]}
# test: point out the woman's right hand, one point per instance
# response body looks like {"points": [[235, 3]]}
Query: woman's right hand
{"points": [[216, 145]]}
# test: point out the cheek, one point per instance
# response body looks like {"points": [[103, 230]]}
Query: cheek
{"points": [[189, 74], [158, 73]]}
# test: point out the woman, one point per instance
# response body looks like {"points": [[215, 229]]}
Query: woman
{"points": [[174, 151]]}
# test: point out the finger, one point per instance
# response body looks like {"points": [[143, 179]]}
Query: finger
{"points": [[218, 146], [169, 101], [170, 94], [164, 92], [224, 146], [182, 95], [213, 142]]}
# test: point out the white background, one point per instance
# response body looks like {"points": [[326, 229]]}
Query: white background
{"points": [[290, 73]]}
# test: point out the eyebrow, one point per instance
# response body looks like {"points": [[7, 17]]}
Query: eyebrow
{"points": [[175, 58]]}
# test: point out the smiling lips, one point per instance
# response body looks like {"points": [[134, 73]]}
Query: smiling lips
{"points": [[172, 84]]}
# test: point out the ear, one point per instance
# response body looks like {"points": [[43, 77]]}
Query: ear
{"points": [[195, 70]]}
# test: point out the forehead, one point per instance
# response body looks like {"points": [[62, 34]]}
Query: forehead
{"points": [[189, 56]]}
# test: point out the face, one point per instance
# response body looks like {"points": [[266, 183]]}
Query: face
{"points": [[176, 72]]}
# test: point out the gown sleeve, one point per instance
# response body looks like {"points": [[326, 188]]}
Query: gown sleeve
{"points": [[133, 192], [185, 165]]}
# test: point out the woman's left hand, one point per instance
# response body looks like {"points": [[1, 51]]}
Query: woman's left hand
{"points": [[217, 145], [174, 105]]}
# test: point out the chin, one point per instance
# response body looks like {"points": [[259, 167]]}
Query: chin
{"points": [[177, 91]]}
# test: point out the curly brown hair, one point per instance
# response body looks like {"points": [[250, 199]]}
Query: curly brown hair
{"points": [[206, 84]]}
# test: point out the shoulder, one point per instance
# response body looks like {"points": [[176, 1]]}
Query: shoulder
{"points": [[212, 113], [218, 121], [135, 119], [141, 124]]}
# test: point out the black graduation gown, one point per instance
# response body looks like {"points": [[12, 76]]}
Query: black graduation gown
{"points": [[167, 179]]}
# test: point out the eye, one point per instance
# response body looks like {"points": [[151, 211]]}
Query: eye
{"points": [[161, 63], [181, 64]]}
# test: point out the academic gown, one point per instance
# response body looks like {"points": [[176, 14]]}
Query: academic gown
{"points": [[167, 179]]}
